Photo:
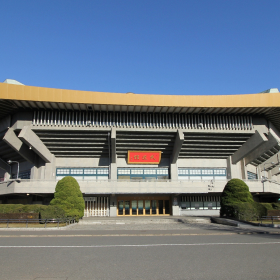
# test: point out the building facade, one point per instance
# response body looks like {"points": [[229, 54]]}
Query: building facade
{"points": [[202, 142]]}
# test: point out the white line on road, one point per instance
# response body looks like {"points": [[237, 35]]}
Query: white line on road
{"points": [[139, 245]]}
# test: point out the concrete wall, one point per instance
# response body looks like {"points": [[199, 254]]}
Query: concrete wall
{"points": [[203, 162], [127, 187], [82, 162], [184, 212]]}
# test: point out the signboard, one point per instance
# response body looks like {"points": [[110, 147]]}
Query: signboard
{"points": [[144, 157]]}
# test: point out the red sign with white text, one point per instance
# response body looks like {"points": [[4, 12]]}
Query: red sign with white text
{"points": [[144, 157]]}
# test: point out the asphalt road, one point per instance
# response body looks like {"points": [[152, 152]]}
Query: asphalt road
{"points": [[194, 252]]}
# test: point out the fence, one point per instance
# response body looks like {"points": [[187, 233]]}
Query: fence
{"points": [[44, 222], [270, 218]]}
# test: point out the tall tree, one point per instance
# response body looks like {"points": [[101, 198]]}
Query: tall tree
{"points": [[69, 197]]}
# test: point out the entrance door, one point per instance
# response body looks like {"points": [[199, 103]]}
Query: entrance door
{"points": [[127, 207], [147, 207], [141, 206], [120, 207], [160, 207], [154, 207], [134, 207]]}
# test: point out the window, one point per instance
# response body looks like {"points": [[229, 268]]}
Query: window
{"points": [[83, 173], [77, 171], [89, 171], [143, 173], [149, 171], [102, 171], [62, 171], [252, 176], [204, 202], [136, 171]]}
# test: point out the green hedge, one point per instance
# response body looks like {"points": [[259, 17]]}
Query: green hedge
{"points": [[248, 211], [45, 211]]}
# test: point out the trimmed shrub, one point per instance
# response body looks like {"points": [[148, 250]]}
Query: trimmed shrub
{"points": [[235, 191], [246, 211], [275, 205], [268, 206], [42, 211], [69, 197], [52, 212]]}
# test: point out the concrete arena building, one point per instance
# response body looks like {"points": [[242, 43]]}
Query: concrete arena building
{"points": [[202, 142]]}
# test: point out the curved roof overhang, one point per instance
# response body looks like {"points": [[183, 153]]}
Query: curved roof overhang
{"points": [[38, 94], [13, 97]]}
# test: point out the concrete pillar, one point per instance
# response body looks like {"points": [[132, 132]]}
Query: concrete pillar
{"points": [[50, 169], [113, 145], [259, 172], [114, 173], [174, 171], [243, 170], [229, 168], [38, 171], [177, 146], [113, 205], [175, 205]]}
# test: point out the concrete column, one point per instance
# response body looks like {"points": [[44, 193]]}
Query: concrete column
{"points": [[177, 146], [113, 205], [38, 171], [174, 171], [113, 170], [113, 145], [175, 206], [243, 170], [259, 172], [50, 169], [229, 168]]}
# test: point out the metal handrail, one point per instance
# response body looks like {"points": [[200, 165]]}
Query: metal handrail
{"points": [[272, 218]]}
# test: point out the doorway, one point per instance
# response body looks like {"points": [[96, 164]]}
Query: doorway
{"points": [[144, 206]]}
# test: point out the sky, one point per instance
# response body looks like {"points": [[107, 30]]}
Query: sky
{"points": [[169, 47]]}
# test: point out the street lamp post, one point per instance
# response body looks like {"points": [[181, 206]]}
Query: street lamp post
{"points": [[11, 161]]}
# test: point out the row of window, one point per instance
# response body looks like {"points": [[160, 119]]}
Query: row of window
{"points": [[82, 171], [201, 171], [137, 171], [200, 198], [202, 205]]}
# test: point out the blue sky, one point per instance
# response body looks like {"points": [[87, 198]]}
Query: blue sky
{"points": [[183, 47]]}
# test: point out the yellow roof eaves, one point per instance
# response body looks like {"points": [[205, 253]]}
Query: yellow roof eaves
{"points": [[39, 94]]}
